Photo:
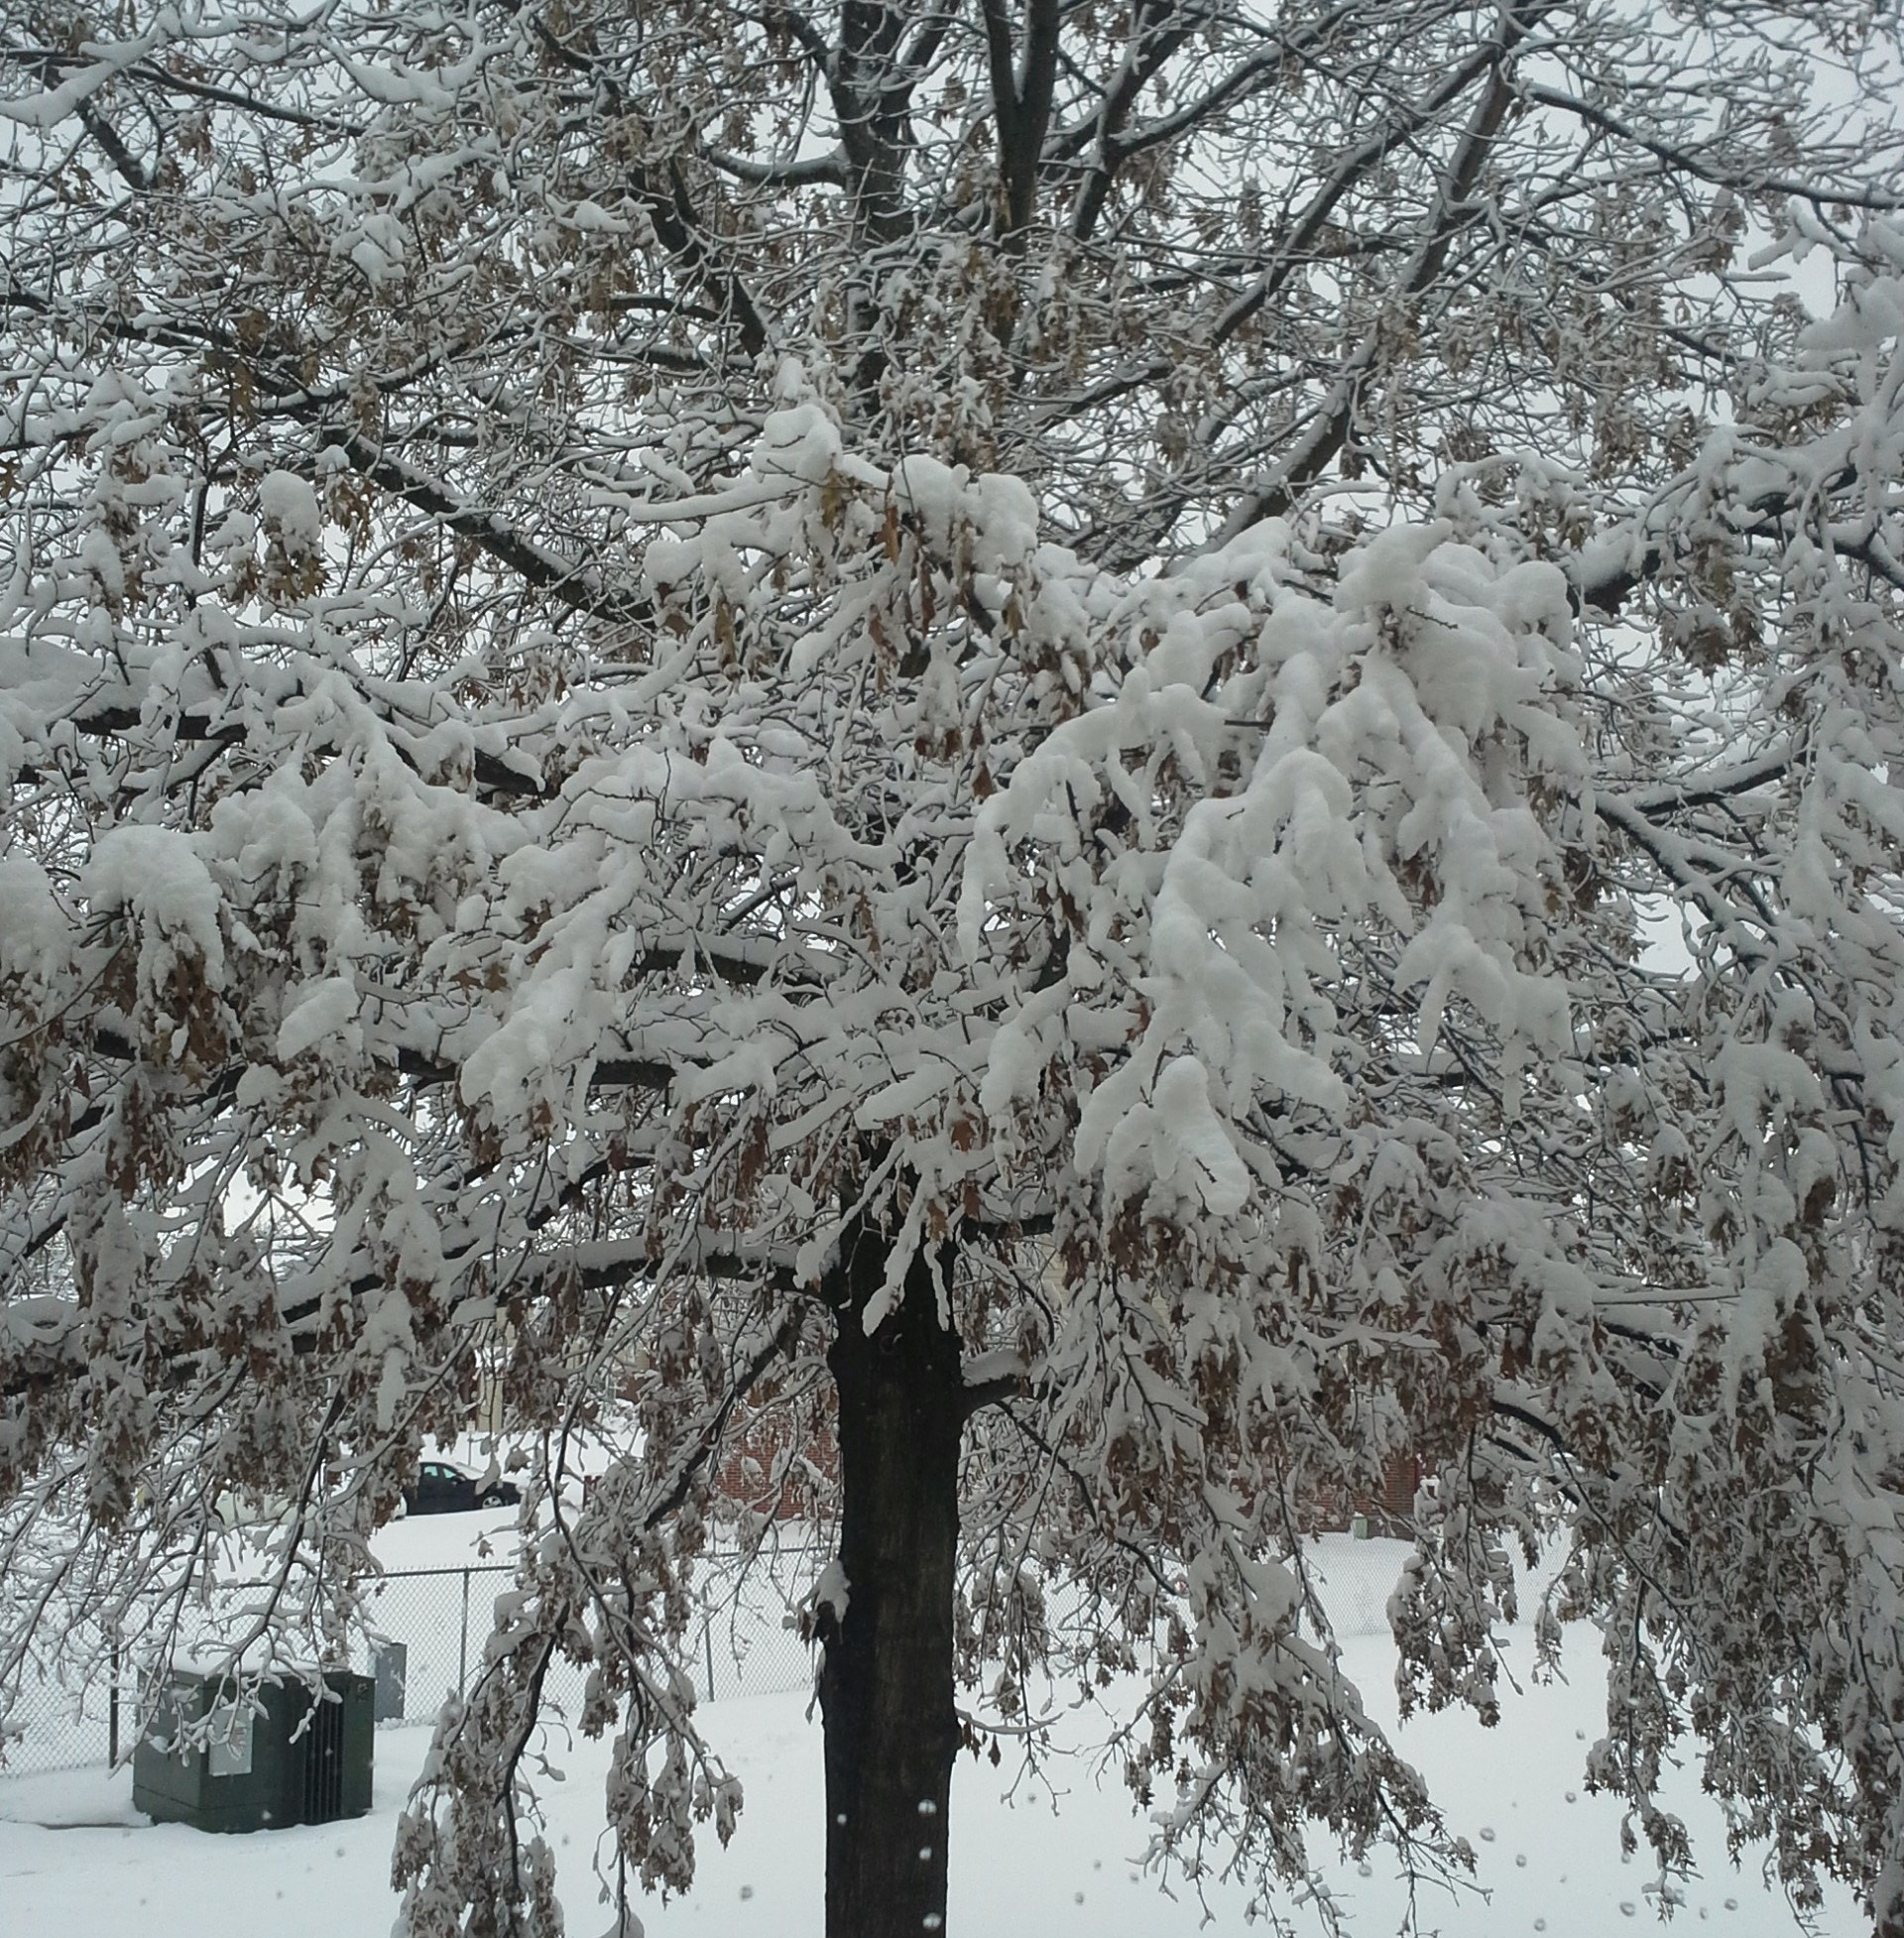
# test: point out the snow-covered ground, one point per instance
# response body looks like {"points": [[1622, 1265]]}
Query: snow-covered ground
{"points": [[76, 1861]]}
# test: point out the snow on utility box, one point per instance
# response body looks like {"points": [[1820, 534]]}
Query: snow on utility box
{"points": [[221, 1761]]}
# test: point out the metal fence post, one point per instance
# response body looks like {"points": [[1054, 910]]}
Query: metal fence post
{"points": [[707, 1637], [462, 1647], [112, 1702]]}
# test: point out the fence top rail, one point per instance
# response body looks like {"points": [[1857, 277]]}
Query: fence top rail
{"points": [[765, 1555], [421, 1574]]}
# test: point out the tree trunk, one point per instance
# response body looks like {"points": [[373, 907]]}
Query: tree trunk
{"points": [[886, 1680]]}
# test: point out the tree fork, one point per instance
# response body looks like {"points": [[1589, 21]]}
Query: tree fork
{"points": [[885, 1678]]}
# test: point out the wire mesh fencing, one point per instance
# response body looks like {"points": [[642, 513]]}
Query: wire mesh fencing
{"points": [[65, 1717], [421, 1633], [424, 1631]]}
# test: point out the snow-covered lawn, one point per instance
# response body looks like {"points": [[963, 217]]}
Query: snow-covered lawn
{"points": [[75, 1861]]}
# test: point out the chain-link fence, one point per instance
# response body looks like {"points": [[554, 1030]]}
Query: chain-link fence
{"points": [[423, 1631], [62, 1719], [421, 1635]]}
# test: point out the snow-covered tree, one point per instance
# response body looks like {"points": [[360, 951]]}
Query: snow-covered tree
{"points": [[1132, 749]]}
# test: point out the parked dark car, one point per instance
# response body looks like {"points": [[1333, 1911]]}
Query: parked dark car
{"points": [[441, 1489]]}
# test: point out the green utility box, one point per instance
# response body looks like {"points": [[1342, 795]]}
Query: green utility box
{"points": [[262, 1768]]}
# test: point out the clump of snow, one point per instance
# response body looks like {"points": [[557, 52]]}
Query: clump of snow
{"points": [[534, 1055], [266, 833], [378, 249], [831, 1590], [157, 877], [323, 1009], [290, 509], [1178, 1141], [800, 442], [593, 217], [995, 516], [1385, 573], [35, 945]]}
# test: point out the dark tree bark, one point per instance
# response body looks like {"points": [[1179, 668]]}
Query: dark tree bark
{"points": [[885, 1678]]}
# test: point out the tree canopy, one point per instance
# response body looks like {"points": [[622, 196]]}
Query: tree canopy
{"points": [[1138, 750]]}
